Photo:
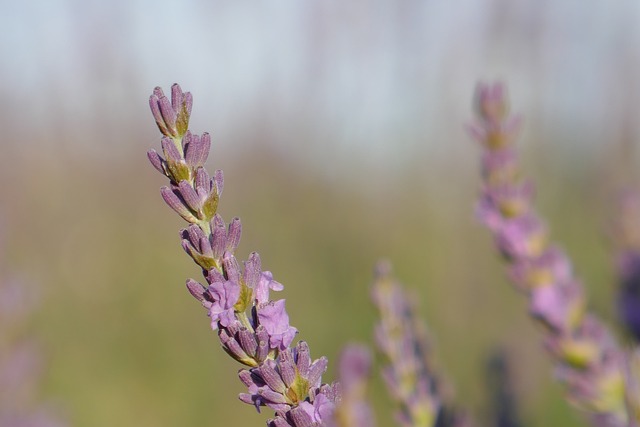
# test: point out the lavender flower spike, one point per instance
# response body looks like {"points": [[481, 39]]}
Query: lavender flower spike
{"points": [[355, 369], [587, 358], [408, 374], [253, 329]]}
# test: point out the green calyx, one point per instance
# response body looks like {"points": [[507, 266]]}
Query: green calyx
{"points": [[299, 390], [182, 120], [178, 171]]}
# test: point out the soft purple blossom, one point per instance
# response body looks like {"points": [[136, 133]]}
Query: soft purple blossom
{"points": [[523, 237], [588, 361], [552, 266], [266, 284], [275, 320], [558, 305], [224, 296]]}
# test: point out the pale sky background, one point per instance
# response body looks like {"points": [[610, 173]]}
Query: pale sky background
{"points": [[369, 78]]}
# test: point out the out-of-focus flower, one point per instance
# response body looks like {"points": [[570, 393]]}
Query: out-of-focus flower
{"points": [[587, 358], [355, 370], [408, 374]]}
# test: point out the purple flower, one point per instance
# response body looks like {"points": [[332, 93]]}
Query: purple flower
{"points": [[275, 320], [558, 305], [551, 267], [224, 296], [523, 237], [286, 383], [321, 409], [265, 284]]}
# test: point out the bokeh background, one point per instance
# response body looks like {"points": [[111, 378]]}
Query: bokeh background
{"points": [[340, 128]]}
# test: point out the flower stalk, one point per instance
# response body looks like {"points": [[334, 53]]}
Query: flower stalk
{"points": [[408, 374], [253, 329]]}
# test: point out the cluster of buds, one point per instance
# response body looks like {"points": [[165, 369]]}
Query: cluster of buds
{"points": [[408, 375], [588, 359], [252, 328]]}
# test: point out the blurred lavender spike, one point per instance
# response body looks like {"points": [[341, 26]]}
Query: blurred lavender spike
{"points": [[587, 358], [408, 374], [626, 239], [355, 370], [253, 329]]}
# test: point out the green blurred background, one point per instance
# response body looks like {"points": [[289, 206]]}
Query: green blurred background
{"points": [[340, 128]]}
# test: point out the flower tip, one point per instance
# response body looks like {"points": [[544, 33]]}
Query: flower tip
{"points": [[157, 92], [155, 160], [196, 289], [491, 100], [383, 268]]}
